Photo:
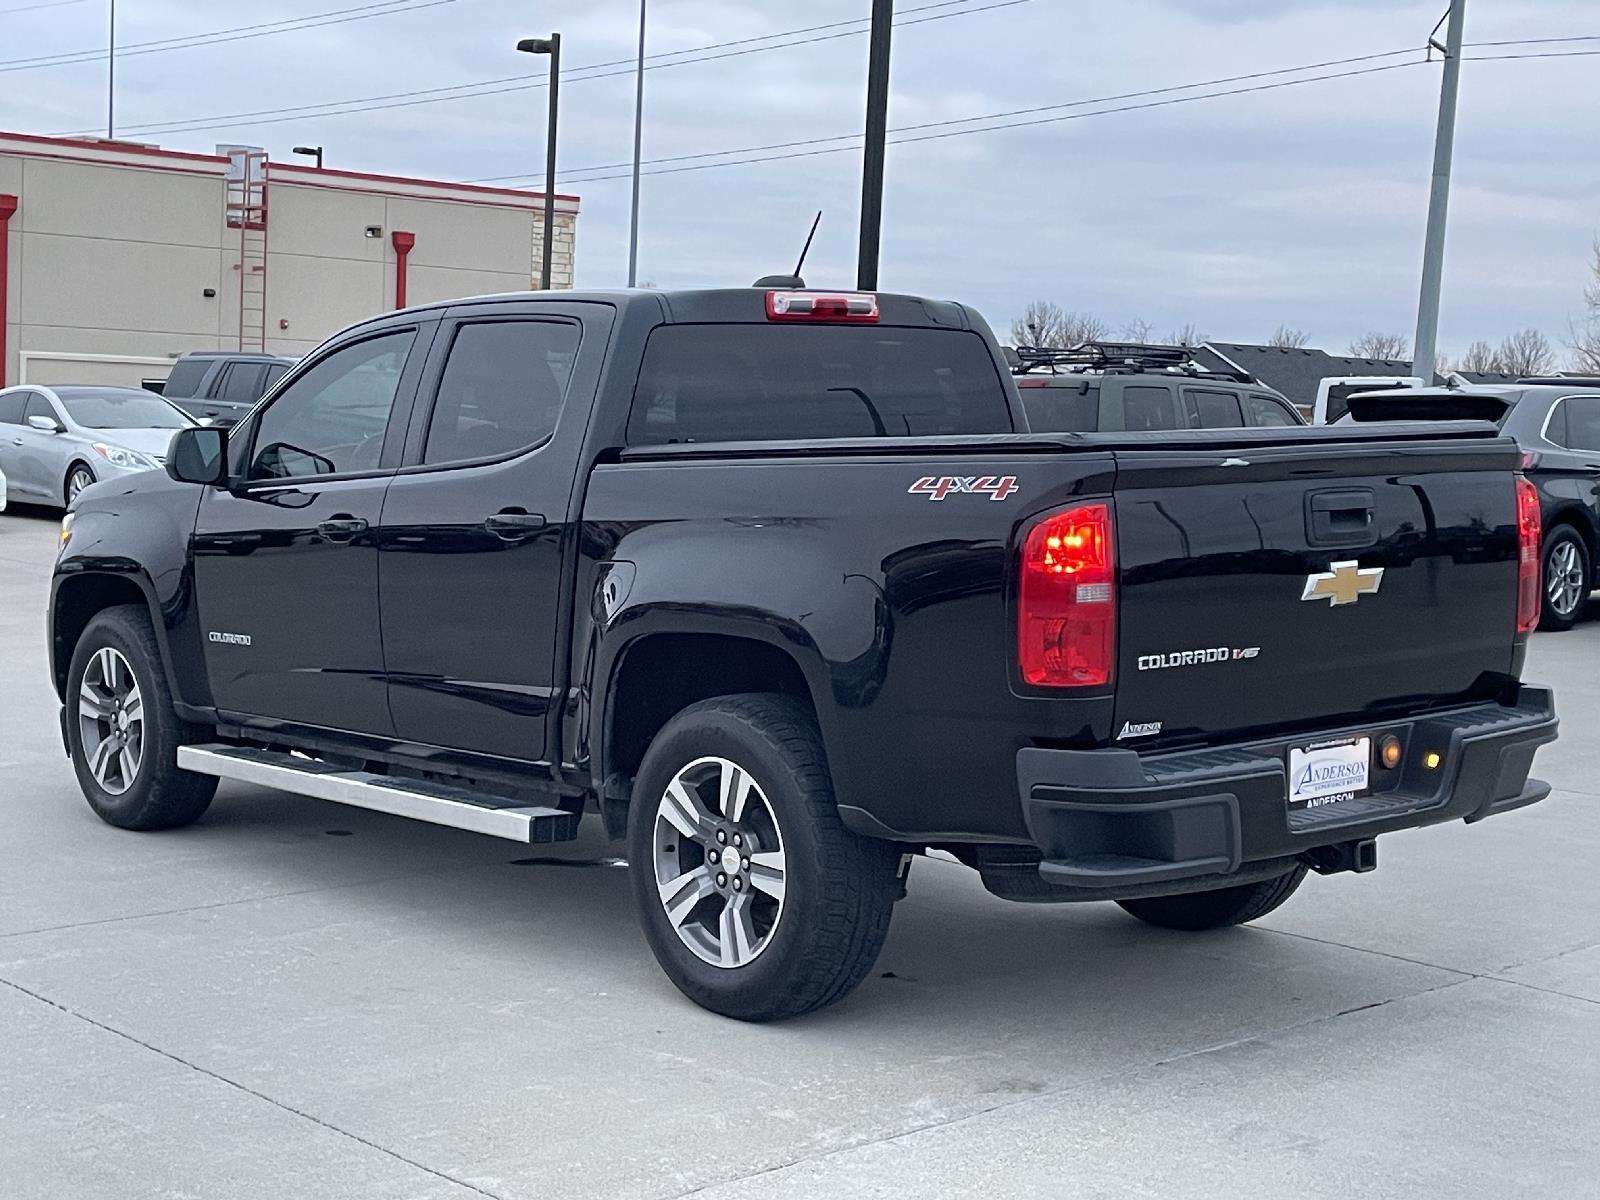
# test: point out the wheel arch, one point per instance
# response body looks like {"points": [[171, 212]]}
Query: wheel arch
{"points": [[77, 461], [1583, 521], [81, 596], [658, 674]]}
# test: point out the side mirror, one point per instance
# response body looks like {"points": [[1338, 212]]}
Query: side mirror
{"points": [[199, 455], [46, 424]]}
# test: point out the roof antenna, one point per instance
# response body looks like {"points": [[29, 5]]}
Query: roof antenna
{"points": [[793, 281]]}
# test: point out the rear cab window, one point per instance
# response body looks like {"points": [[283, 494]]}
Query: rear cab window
{"points": [[739, 383]]}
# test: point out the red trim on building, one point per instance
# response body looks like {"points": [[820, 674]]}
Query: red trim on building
{"points": [[8, 206], [280, 167], [403, 241], [113, 147]]}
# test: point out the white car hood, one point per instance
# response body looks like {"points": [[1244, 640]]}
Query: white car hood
{"points": [[145, 441]]}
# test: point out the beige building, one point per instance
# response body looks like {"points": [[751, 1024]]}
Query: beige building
{"points": [[115, 258]]}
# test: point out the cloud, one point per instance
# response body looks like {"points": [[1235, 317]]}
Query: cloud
{"points": [[1302, 205]]}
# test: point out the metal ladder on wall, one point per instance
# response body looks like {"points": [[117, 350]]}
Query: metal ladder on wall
{"points": [[247, 212]]}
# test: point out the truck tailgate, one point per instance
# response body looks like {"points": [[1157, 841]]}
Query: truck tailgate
{"points": [[1275, 586]]}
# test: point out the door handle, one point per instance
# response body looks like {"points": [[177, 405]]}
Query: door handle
{"points": [[341, 528], [512, 525]]}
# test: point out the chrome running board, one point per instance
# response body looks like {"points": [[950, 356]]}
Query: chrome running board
{"points": [[421, 800]]}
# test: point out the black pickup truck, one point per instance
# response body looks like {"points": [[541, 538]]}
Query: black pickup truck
{"points": [[779, 584]]}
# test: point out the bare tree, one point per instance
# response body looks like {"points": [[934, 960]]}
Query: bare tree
{"points": [[1584, 335], [1527, 353], [1381, 345], [1139, 330], [1288, 339], [1046, 323], [1187, 335], [1480, 357]]}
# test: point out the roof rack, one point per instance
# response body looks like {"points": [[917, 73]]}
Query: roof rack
{"points": [[1583, 381], [1124, 358]]}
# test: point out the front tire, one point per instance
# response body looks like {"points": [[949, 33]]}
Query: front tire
{"points": [[78, 478], [756, 900], [1566, 578], [122, 730], [1218, 907]]}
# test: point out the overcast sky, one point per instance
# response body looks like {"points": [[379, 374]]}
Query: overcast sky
{"points": [[1303, 204]]}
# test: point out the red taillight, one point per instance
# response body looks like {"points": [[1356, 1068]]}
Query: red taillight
{"points": [[848, 307], [1067, 599], [1033, 383], [1529, 535]]}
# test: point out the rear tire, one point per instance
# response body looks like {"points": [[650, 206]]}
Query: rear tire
{"points": [[790, 919], [122, 730], [1565, 578], [1217, 908]]}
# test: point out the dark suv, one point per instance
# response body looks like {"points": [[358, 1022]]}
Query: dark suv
{"points": [[222, 385], [1115, 386], [1557, 424]]}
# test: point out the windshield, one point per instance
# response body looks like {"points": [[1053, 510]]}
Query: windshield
{"points": [[122, 410]]}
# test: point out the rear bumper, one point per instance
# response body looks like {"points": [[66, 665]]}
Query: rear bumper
{"points": [[1113, 822]]}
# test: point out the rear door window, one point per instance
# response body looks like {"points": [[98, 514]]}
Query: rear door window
{"points": [[242, 383], [1583, 422], [11, 405], [502, 389], [1074, 408], [1149, 406], [1269, 410], [185, 377], [719, 383], [1212, 409]]}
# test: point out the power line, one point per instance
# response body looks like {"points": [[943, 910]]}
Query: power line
{"points": [[239, 33], [518, 83], [36, 7], [1592, 37], [1015, 112], [1539, 54], [1104, 112]]}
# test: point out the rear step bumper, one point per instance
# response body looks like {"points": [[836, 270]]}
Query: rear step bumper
{"points": [[1107, 822], [438, 804]]}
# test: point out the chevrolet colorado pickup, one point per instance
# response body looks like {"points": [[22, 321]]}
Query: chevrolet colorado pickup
{"points": [[778, 584]]}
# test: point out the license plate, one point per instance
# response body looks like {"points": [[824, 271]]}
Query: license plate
{"points": [[1328, 772]]}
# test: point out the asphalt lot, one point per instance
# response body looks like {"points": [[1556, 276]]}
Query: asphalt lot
{"points": [[296, 999]]}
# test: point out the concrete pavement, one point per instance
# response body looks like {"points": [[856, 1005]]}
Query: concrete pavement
{"points": [[296, 999]]}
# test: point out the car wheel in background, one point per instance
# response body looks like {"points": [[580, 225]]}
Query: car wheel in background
{"points": [[756, 900], [122, 731], [78, 478], [1567, 578]]}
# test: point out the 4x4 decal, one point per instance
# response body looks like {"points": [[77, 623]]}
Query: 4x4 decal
{"points": [[937, 487]]}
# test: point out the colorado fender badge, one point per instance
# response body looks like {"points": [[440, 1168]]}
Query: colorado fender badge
{"points": [[937, 487]]}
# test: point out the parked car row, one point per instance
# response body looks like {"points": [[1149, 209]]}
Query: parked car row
{"points": [[1557, 426]]}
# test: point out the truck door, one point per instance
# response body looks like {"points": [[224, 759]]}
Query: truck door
{"points": [[474, 527], [286, 562]]}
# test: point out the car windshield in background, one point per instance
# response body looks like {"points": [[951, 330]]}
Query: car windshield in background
{"points": [[120, 410], [747, 383]]}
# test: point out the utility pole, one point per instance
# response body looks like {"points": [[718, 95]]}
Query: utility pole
{"points": [[111, 77], [638, 141], [872, 152], [1439, 198], [551, 46]]}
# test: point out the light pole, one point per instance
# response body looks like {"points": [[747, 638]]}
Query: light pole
{"points": [[872, 153], [638, 138], [551, 46], [111, 76], [1444, 141], [310, 152]]}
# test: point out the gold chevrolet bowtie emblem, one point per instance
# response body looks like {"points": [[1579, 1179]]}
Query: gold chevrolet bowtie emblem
{"points": [[1342, 583]]}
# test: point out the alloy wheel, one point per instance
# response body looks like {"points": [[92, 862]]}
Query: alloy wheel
{"points": [[1563, 578], [76, 482], [719, 862], [111, 720]]}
